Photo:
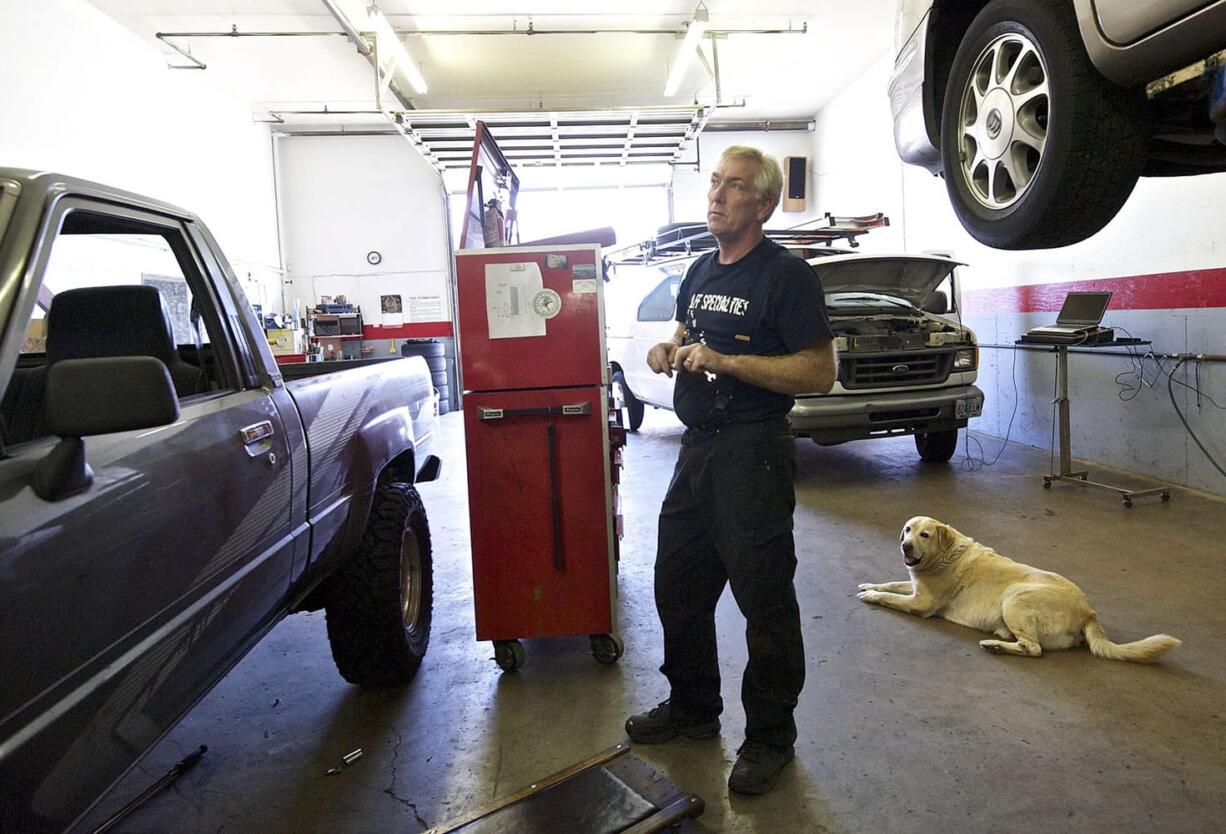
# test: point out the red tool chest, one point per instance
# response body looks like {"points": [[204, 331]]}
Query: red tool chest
{"points": [[542, 455]]}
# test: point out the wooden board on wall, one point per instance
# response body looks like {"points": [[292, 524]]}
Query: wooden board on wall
{"points": [[795, 182]]}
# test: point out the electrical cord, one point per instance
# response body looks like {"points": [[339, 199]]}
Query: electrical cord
{"points": [[1129, 391], [1133, 380], [970, 463], [1170, 390]]}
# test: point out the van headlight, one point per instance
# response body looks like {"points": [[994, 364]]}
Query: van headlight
{"points": [[966, 359]]}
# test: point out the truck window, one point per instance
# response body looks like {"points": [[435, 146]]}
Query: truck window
{"points": [[8, 199], [661, 303], [92, 259]]}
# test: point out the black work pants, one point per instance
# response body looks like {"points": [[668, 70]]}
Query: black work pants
{"points": [[727, 518]]}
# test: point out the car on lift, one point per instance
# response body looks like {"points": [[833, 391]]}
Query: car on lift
{"points": [[168, 493], [906, 365], [1042, 115]]}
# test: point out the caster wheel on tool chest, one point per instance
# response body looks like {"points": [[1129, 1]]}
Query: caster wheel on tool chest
{"points": [[1127, 502], [606, 648], [1166, 496], [1047, 483], [509, 654]]}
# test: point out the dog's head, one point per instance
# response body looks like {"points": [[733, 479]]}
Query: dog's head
{"points": [[926, 543]]}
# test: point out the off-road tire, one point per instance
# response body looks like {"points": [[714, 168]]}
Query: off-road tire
{"points": [[936, 446], [1098, 134], [379, 624]]}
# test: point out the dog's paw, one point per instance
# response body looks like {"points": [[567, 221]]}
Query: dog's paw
{"points": [[992, 646], [869, 596], [867, 586]]}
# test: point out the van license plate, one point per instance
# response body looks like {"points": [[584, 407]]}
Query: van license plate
{"points": [[966, 408]]}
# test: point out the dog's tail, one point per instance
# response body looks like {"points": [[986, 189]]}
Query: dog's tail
{"points": [[1140, 651]]}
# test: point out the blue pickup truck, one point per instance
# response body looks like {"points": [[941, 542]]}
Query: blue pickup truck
{"points": [[168, 493]]}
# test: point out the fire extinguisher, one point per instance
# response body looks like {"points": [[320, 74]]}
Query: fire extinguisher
{"points": [[495, 223]]}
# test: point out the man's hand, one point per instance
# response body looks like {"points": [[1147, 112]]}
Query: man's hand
{"points": [[698, 358], [660, 357]]}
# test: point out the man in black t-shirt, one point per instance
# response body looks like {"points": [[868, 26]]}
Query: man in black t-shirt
{"points": [[752, 332]]}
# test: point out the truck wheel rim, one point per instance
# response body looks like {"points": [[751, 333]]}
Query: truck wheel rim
{"points": [[1003, 121], [410, 581]]}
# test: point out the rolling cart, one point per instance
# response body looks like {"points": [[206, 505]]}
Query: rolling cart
{"points": [[543, 452]]}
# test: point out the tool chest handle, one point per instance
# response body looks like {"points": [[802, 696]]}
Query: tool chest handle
{"points": [[555, 503], [484, 413]]}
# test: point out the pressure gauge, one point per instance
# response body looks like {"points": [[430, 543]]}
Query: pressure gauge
{"points": [[547, 303]]}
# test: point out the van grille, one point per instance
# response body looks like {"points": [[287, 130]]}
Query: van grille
{"points": [[892, 370]]}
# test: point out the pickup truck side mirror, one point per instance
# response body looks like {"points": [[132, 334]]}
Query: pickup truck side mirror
{"points": [[938, 303], [86, 397]]}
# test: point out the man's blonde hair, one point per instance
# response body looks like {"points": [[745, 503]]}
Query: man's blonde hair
{"points": [[769, 181]]}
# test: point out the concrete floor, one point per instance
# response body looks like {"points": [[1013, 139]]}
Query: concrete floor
{"points": [[906, 724]]}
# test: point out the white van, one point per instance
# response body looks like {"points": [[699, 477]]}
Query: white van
{"points": [[906, 364]]}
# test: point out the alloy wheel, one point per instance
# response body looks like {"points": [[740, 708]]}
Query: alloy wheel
{"points": [[1003, 119]]}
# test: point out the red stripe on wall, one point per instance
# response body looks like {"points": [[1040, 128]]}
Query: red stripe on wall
{"points": [[1161, 291], [421, 330]]}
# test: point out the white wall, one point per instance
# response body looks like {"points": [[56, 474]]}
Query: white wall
{"points": [[690, 186], [343, 197], [1167, 226], [84, 96], [855, 168]]}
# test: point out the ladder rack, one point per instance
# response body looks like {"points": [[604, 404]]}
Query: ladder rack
{"points": [[683, 240]]}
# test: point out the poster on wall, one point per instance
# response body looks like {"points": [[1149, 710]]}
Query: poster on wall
{"points": [[416, 298], [426, 308], [175, 296], [392, 309]]}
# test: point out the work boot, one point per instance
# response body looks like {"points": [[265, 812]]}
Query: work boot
{"points": [[757, 767], [661, 724]]}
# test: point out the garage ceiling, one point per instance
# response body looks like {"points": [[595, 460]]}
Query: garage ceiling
{"points": [[631, 136], [559, 83]]}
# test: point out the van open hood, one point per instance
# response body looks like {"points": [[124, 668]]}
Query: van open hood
{"points": [[912, 278]]}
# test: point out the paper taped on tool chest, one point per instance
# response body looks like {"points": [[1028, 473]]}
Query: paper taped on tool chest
{"points": [[509, 293]]}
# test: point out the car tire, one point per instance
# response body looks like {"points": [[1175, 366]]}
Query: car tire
{"points": [[936, 446], [1052, 157], [381, 603], [635, 409]]}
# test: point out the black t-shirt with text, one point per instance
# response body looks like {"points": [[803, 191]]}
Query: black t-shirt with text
{"points": [[769, 303]]}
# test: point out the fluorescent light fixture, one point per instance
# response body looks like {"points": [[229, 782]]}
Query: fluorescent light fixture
{"points": [[693, 34], [391, 46]]}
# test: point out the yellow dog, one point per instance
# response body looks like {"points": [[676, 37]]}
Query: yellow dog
{"points": [[1029, 610]]}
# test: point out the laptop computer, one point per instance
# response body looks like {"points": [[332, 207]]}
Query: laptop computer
{"points": [[1077, 320]]}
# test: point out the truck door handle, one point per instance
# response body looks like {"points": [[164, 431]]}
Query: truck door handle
{"points": [[256, 432]]}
